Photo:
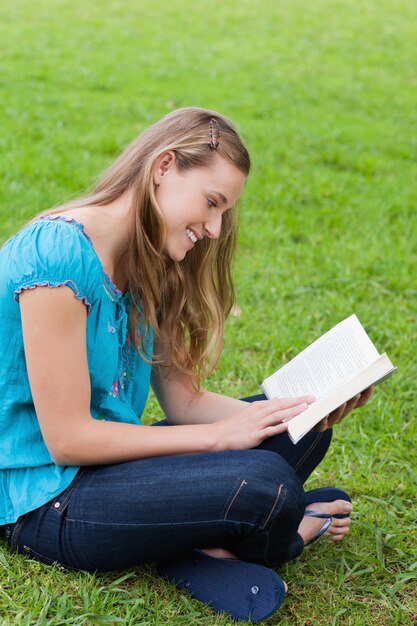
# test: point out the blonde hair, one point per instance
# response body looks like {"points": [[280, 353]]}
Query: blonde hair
{"points": [[186, 302]]}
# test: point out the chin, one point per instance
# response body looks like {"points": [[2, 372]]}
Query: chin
{"points": [[176, 256]]}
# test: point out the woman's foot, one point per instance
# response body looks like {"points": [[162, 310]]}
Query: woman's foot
{"points": [[338, 528], [222, 553], [246, 591], [219, 553]]}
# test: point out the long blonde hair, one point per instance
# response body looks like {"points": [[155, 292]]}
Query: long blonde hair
{"points": [[186, 302]]}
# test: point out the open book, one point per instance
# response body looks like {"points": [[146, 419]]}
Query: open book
{"points": [[340, 364]]}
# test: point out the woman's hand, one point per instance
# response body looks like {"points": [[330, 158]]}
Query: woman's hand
{"points": [[258, 421], [339, 414]]}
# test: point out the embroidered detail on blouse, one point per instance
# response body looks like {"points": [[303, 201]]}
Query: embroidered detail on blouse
{"points": [[114, 391], [110, 328], [63, 283], [127, 355], [125, 363], [110, 288]]}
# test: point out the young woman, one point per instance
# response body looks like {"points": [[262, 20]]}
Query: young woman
{"points": [[129, 286]]}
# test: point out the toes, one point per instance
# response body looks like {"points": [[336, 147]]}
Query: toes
{"points": [[337, 507], [337, 531], [334, 538], [341, 507], [336, 522]]}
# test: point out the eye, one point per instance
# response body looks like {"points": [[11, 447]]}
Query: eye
{"points": [[211, 203]]}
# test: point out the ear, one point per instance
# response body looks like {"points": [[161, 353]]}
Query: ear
{"points": [[163, 164]]}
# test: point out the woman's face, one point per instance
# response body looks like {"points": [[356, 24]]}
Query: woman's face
{"points": [[193, 202]]}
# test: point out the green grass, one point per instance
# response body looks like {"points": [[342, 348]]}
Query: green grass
{"points": [[325, 95]]}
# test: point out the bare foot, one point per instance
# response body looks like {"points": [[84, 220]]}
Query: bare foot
{"points": [[219, 553], [338, 528]]}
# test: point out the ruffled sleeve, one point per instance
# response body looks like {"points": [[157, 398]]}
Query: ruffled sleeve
{"points": [[53, 253]]}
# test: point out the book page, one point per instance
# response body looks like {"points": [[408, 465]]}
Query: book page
{"points": [[338, 354], [373, 374]]}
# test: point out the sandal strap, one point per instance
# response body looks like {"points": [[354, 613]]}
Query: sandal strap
{"points": [[311, 513], [325, 526]]}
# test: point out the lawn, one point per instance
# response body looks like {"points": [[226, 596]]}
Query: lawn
{"points": [[325, 95]]}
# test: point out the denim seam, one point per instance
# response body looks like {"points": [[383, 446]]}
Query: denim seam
{"points": [[64, 503], [16, 531], [156, 524], [309, 451], [242, 484], [38, 556], [230, 496], [283, 500], [273, 506]]}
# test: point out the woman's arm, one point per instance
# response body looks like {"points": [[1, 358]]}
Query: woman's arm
{"points": [[182, 404], [54, 334]]}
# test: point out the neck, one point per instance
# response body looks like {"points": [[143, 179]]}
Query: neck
{"points": [[108, 227]]}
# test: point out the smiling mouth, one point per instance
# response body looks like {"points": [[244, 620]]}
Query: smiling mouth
{"points": [[191, 235]]}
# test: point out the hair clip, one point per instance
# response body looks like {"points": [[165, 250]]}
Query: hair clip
{"points": [[214, 133]]}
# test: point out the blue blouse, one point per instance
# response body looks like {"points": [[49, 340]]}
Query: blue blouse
{"points": [[54, 251]]}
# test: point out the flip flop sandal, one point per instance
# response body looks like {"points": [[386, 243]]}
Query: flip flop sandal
{"points": [[325, 494], [246, 591]]}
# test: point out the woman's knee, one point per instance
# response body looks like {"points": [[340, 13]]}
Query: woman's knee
{"points": [[267, 489]]}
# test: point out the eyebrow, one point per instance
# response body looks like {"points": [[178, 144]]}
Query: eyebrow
{"points": [[221, 196]]}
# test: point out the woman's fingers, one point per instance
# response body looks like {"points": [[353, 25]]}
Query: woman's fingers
{"points": [[341, 412], [286, 414], [260, 420], [352, 404], [276, 429], [278, 404], [266, 418], [284, 409], [365, 395], [355, 402], [278, 409], [338, 413], [322, 425]]}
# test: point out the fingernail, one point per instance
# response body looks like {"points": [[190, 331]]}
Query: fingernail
{"points": [[347, 507], [310, 399]]}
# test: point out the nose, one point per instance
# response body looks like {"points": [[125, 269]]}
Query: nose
{"points": [[212, 227]]}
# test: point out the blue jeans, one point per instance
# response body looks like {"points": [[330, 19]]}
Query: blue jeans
{"points": [[116, 516]]}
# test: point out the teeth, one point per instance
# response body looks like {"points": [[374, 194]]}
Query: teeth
{"points": [[191, 235]]}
